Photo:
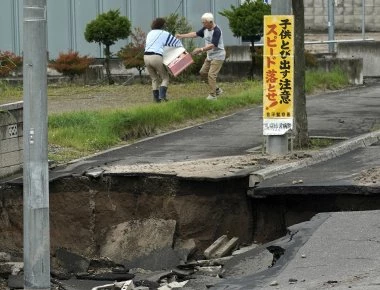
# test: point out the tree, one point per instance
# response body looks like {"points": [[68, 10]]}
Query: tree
{"points": [[247, 20], [300, 115], [175, 24], [178, 25], [106, 29], [71, 64], [133, 53]]}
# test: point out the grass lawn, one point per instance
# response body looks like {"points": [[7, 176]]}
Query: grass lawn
{"points": [[86, 119]]}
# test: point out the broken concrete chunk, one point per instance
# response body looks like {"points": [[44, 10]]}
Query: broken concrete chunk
{"points": [[215, 246], [71, 262], [173, 285], [211, 262], [226, 249], [124, 285], [135, 239], [10, 268], [221, 247], [128, 285]]}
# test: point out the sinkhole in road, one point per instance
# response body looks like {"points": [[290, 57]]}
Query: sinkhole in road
{"points": [[86, 213]]}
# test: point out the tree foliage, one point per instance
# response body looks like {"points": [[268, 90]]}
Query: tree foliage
{"points": [[71, 64], [178, 25], [132, 54], [106, 29], [247, 21], [9, 63]]}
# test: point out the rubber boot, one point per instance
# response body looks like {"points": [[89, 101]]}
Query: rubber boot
{"points": [[156, 95], [163, 93]]}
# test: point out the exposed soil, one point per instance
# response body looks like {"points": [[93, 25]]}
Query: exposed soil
{"points": [[369, 177], [208, 168]]}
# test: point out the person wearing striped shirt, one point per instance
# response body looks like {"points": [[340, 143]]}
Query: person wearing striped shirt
{"points": [[155, 42]]}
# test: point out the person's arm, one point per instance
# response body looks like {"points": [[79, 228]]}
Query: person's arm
{"points": [[172, 41], [192, 34], [203, 49], [214, 42]]}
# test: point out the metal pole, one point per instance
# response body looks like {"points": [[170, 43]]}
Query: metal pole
{"points": [[363, 19], [331, 25], [36, 180], [281, 7], [278, 144]]}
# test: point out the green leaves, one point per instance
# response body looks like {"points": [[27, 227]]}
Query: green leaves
{"points": [[176, 24], [107, 28], [247, 20]]}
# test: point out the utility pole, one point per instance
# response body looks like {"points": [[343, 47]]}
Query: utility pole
{"points": [[35, 172], [278, 144]]}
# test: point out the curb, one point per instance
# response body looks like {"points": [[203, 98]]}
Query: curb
{"points": [[361, 141]]}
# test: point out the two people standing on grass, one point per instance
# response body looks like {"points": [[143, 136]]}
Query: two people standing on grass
{"points": [[158, 38], [212, 34], [155, 42]]}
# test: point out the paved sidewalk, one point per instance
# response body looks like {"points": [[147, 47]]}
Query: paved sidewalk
{"points": [[347, 113]]}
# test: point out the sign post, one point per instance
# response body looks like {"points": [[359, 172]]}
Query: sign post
{"points": [[278, 81]]}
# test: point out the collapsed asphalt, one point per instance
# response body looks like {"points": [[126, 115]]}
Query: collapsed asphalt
{"points": [[322, 242]]}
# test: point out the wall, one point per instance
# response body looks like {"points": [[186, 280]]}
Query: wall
{"points": [[352, 67], [356, 62], [67, 20], [368, 51], [11, 146], [347, 15]]}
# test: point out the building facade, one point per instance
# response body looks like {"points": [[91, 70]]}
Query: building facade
{"points": [[67, 19], [349, 15]]}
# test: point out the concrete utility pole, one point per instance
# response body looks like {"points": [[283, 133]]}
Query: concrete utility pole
{"points": [[36, 180], [278, 144]]}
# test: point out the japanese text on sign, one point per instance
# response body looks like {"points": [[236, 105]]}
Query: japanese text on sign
{"points": [[278, 81]]}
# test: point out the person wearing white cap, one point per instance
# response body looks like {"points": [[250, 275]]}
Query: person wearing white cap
{"points": [[216, 54]]}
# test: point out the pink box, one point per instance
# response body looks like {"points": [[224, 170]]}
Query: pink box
{"points": [[180, 63]]}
